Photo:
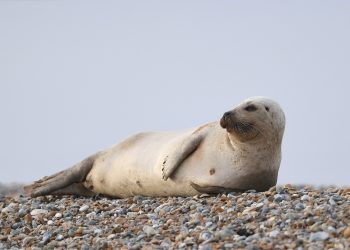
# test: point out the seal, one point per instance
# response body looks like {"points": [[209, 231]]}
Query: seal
{"points": [[242, 151]]}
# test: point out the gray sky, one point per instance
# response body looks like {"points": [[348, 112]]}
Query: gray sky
{"points": [[78, 76]]}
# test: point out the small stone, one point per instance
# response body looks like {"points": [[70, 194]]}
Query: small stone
{"points": [[3, 238], [79, 231], [149, 230], [22, 212], [59, 237], [111, 236], [346, 232], [251, 247], [92, 222], [182, 245], [280, 190], [161, 212], [49, 222], [11, 208], [206, 235], [208, 224], [224, 233], [17, 225], [131, 214], [278, 197], [305, 197], [27, 240], [15, 232], [71, 232], [299, 206], [230, 210], [46, 237], [140, 237], [319, 236], [332, 202], [85, 247], [58, 215], [37, 212], [84, 208], [252, 237], [28, 219], [229, 246], [274, 233]]}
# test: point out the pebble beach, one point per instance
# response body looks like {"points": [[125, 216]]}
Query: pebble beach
{"points": [[284, 217]]}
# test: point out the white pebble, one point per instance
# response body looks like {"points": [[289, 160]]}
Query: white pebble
{"points": [[58, 215], [274, 233], [9, 209], [59, 237], [111, 236], [305, 197], [319, 236], [83, 208], [149, 230], [38, 211], [332, 202]]}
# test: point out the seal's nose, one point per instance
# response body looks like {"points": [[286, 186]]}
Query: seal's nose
{"points": [[224, 119], [228, 113]]}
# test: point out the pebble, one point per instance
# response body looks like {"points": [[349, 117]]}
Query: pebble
{"points": [[84, 208], [59, 237], [58, 215], [27, 240], [22, 212], [319, 236], [11, 208], [46, 237], [206, 235], [346, 232], [305, 197], [37, 212], [286, 217], [274, 233], [278, 197], [299, 206], [149, 230], [224, 233]]}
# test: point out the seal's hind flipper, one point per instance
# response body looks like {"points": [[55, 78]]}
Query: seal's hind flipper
{"points": [[184, 149], [63, 182], [74, 189]]}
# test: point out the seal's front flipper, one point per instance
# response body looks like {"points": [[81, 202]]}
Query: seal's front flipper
{"points": [[180, 153], [68, 181]]}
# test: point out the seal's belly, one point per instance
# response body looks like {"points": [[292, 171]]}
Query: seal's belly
{"points": [[131, 168]]}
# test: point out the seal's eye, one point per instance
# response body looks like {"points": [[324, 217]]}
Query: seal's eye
{"points": [[267, 108], [251, 108]]}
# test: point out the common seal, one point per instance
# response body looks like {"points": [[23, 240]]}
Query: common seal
{"points": [[241, 151]]}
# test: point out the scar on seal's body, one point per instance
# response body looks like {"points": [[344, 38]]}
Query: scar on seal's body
{"points": [[139, 184]]}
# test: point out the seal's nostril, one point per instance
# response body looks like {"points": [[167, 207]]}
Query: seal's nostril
{"points": [[228, 113]]}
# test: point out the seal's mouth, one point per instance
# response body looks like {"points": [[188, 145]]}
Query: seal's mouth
{"points": [[242, 129], [230, 122]]}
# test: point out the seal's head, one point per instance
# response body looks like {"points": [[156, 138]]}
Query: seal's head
{"points": [[254, 131], [256, 118]]}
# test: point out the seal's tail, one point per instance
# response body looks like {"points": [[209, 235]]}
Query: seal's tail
{"points": [[69, 181]]}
